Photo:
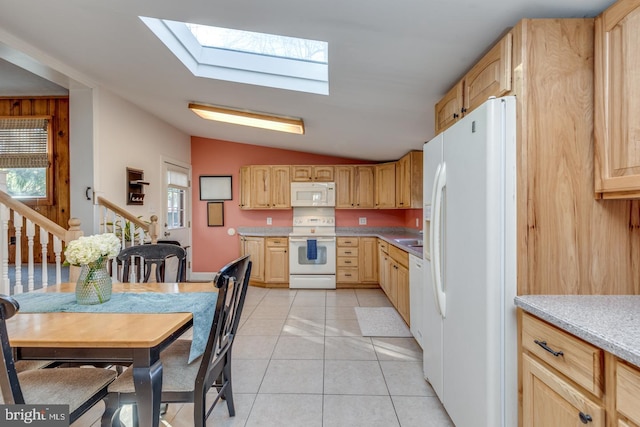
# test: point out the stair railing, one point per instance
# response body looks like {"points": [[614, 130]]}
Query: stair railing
{"points": [[37, 228], [130, 229]]}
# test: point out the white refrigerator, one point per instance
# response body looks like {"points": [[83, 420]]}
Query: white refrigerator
{"points": [[469, 332]]}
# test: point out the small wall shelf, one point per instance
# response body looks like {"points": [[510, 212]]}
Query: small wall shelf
{"points": [[135, 186]]}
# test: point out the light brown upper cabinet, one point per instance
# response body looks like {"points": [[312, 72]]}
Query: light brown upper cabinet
{"points": [[617, 101], [354, 186], [491, 76], [385, 184], [409, 181], [321, 173], [449, 108], [269, 187]]}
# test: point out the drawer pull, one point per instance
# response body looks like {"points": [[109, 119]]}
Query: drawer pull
{"points": [[585, 418], [544, 345], [348, 252]]}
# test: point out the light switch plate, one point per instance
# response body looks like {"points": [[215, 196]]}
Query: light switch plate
{"points": [[269, 221], [362, 221]]}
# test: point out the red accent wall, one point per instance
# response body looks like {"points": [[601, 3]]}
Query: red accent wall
{"points": [[213, 247]]}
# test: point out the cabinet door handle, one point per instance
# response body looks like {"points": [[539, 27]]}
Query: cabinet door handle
{"points": [[585, 418], [544, 345], [455, 115]]}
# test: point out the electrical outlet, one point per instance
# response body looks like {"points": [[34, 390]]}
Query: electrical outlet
{"points": [[417, 222], [269, 220], [362, 220]]}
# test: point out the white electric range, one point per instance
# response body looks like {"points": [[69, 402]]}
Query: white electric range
{"points": [[312, 249]]}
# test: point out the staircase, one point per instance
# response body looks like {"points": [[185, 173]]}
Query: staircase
{"points": [[20, 224]]}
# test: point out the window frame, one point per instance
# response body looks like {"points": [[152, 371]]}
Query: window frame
{"points": [[48, 200]]}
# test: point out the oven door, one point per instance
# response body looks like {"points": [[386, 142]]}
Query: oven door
{"points": [[325, 259]]}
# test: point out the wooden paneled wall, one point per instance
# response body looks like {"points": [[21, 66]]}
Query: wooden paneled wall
{"points": [[58, 209]]}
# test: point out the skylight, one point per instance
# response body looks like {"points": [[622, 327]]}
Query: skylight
{"points": [[246, 57]]}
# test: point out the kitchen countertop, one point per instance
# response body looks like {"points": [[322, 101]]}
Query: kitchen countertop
{"points": [[610, 322], [387, 234]]}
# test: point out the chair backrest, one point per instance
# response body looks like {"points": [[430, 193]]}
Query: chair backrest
{"points": [[9, 385], [150, 256], [234, 279]]}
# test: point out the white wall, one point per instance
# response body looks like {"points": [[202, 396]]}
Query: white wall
{"points": [[126, 136], [80, 149]]}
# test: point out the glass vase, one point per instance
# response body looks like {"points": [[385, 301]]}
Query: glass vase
{"points": [[94, 284]]}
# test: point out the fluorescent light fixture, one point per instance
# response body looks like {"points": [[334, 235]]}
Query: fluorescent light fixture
{"points": [[248, 118]]}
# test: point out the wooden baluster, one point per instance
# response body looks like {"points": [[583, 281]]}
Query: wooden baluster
{"points": [[4, 242], [57, 250], [44, 244], [17, 225], [31, 232]]}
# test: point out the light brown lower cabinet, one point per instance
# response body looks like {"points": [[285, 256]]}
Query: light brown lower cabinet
{"points": [[393, 266], [269, 258], [569, 382], [357, 262], [550, 401], [276, 260], [254, 247]]}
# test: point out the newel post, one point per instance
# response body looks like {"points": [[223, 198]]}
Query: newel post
{"points": [[73, 233], [154, 229]]}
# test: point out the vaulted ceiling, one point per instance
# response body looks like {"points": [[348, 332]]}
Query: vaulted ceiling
{"points": [[389, 61]]}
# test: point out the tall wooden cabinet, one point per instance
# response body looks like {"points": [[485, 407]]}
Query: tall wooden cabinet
{"points": [[617, 101], [568, 242]]}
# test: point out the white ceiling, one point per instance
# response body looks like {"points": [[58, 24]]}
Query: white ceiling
{"points": [[389, 61]]}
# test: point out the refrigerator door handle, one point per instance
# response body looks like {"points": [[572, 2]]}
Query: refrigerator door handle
{"points": [[434, 240]]}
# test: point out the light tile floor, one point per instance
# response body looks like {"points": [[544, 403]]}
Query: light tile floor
{"points": [[299, 360]]}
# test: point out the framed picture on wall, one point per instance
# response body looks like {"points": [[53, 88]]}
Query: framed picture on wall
{"points": [[215, 214], [215, 187]]}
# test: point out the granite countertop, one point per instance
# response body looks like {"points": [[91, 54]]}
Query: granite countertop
{"points": [[387, 234], [610, 322]]}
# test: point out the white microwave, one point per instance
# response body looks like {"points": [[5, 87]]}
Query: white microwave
{"points": [[313, 194]]}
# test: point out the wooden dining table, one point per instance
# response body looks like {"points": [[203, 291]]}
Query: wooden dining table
{"points": [[118, 338]]}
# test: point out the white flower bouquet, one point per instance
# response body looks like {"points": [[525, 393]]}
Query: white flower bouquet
{"points": [[92, 249]]}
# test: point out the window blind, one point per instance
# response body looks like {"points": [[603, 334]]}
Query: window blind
{"points": [[24, 142], [177, 179]]}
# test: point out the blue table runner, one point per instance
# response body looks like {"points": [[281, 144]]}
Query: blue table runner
{"points": [[200, 304]]}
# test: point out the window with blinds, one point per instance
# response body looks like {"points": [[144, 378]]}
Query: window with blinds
{"points": [[24, 154]]}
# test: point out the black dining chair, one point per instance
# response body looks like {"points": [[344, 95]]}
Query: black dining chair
{"points": [[152, 255], [189, 383], [80, 388]]}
